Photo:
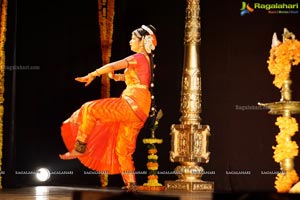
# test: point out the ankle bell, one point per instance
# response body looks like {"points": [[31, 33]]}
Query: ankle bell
{"points": [[80, 146]]}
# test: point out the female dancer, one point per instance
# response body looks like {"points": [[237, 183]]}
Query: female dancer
{"points": [[102, 133]]}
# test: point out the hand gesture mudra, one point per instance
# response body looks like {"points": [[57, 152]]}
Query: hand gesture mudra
{"points": [[86, 79], [106, 69]]}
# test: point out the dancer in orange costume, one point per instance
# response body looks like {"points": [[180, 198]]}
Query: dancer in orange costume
{"points": [[102, 133]]}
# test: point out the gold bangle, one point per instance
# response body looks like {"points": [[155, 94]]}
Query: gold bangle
{"points": [[97, 72], [94, 73]]}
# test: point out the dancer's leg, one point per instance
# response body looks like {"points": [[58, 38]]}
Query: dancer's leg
{"points": [[87, 124], [103, 110], [125, 147]]}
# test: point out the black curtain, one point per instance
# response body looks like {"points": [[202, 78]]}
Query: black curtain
{"points": [[59, 40]]}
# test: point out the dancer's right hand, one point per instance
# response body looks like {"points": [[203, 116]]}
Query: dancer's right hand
{"points": [[86, 79]]}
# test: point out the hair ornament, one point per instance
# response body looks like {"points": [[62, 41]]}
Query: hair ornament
{"points": [[147, 29], [149, 40], [148, 43]]}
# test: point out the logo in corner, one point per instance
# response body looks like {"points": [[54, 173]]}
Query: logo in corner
{"points": [[246, 9]]}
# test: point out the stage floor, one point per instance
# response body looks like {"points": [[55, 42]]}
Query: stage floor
{"points": [[83, 193]]}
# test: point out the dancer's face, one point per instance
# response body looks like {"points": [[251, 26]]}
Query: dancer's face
{"points": [[135, 44]]}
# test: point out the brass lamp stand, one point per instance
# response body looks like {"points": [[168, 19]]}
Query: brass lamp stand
{"points": [[190, 138], [286, 149]]}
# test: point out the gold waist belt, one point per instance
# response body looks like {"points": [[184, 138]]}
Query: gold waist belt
{"points": [[137, 86]]}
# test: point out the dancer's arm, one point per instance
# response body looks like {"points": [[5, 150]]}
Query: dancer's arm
{"points": [[108, 68]]}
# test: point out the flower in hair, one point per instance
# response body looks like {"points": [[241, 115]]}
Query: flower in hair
{"points": [[148, 43]]}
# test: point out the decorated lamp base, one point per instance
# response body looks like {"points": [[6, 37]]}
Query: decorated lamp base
{"points": [[190, 186], [189, 174]]}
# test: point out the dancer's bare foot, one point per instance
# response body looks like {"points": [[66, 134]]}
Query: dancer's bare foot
{"points": [[70, 155], [131, 187]]}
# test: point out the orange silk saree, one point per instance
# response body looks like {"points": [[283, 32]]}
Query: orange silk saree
{"points": [[110, 126]]}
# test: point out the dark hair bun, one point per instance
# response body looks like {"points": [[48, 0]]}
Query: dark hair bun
{"points": [[152, 28]]}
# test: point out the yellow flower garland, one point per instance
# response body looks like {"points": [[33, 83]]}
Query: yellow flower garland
{"points": [[152, 164], [152, 141], [152, 157], [284, 55], [281, 58], [284, 182], [285, 149], [2, 73], [106, 18]]}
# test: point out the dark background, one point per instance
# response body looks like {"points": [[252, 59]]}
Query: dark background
{"points": [[62, 39]]}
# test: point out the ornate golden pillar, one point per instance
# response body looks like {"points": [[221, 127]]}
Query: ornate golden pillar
{"points": [[190, 138]]}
